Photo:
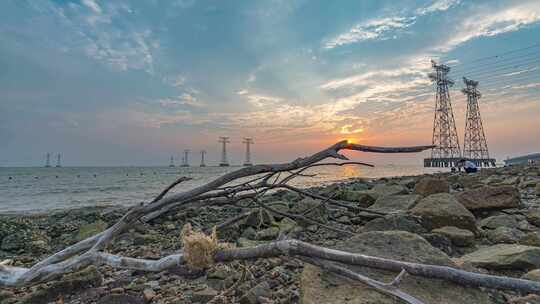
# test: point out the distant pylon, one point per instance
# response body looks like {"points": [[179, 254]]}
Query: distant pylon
{"points": [[48, 160], [202, 158], [171, 163], [248, 142], [475, 144], [186, 159], [59, 160], [224, 141], [447, 151]]}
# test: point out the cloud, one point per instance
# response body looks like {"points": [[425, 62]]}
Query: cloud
{"points": [[182, 100], [437, 6], [91, 4], [488, 24], [380, 29]]}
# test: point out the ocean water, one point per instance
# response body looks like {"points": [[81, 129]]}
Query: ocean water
{"points": [[46, 189]]}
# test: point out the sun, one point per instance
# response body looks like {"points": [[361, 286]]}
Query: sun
{"points": [[351, 140]]}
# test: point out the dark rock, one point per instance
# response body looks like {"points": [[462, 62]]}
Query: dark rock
{"points": [[505, 235], [459, 237], [204, 295], [439, 241], [505, 256], [402, 222], [120, 299], [504, 220], [487, 197], [394, 203], [69, 284], [431, 185]]}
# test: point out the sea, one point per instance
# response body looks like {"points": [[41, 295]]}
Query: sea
{"points": [[39, 190]]}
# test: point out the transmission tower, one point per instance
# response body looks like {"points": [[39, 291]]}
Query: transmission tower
{"points": [[447, 151], [248, 142], [171, 163], [48, 160], [59, 160], [186, 159], [203, 152], [475, 145], [224, 141]]}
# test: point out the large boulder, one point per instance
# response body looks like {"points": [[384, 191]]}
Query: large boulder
{"points": [[321, 287], [494, 222], [490, 198], [442, 209], [381, 190], [538, 189], [534, 217], [505, 256], [431, 185], [363, 198], [403, 222], [393, 203], [506, 235], [459, 237]]}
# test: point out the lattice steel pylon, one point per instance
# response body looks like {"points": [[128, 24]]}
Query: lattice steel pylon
{"points": [[447, 151], [475, 144], [248, 142], [224, 141]]}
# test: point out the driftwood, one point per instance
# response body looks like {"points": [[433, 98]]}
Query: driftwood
{"points": [[92, 251]]}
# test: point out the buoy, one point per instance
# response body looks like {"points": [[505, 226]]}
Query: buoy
{"points": [[10, 177], [95, 175], [57, 176]]}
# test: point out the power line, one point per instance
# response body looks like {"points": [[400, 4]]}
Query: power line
{"points": [[507, 60], [496, 56], [495, 68]]}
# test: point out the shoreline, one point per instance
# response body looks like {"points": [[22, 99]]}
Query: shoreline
{"points": [[27, 238]]}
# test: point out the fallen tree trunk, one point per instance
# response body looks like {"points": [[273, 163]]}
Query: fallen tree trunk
{"points": [[293, 248]]}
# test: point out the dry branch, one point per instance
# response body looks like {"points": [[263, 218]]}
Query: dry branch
{"points": [[90, 251]]}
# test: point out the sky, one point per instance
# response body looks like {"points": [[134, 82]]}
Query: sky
{"points": [[130, 82]]}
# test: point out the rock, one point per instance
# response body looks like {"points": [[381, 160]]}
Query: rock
{"points": [[393, 203], [538, 189], [531, 239], [505, 256], [468, 181], [255, 293], [487, 197], [267, 234], [118, 290], [258, 218], [459, 237], [6, 295], [148, 294], [442, 209], [505, 220], [528, 299], [505, 235], [534, 217], [204, 295], [120, 299], [533, 275], [324, 288], [318, 211], [69, 284], [286, 225], [363, 198], [91, 229], [279, 206], [431, 185], [439, 241], [249, 233], [402, 222], [381, 190]]}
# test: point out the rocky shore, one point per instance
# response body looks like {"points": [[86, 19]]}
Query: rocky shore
{"points": [[487, 222]]}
